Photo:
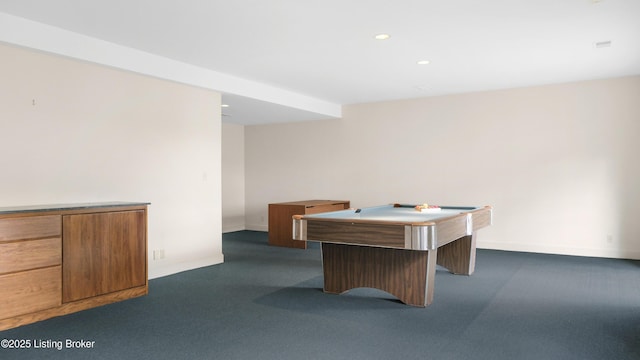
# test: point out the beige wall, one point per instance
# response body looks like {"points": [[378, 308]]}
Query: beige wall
{"points": [[558, 163], [71, 131], [232, 177]]}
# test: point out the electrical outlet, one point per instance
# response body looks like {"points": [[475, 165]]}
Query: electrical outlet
{"points": [[158, 254]]}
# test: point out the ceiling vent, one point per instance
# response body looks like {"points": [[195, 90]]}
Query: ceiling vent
{"points": [[602, 44]]}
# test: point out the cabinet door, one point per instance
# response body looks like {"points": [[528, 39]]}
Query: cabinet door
{"points": [[103, 253]]}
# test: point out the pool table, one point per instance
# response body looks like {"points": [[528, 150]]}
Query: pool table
{"points": [[394, 248]]}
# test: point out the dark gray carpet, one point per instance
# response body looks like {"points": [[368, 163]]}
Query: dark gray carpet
{"points": [[267, 303]]}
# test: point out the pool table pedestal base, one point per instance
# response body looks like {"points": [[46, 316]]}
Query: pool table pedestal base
{"points": [[408, 275]]}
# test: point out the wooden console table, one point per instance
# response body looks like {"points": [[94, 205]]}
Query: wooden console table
{"points": [[281, 218], [60, 259]]}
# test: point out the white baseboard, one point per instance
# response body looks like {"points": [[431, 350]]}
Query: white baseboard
{"points": [[257, 227], [170, 268], [232, 228], [561, 250]]}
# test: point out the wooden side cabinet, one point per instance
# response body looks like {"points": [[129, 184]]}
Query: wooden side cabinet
{"points": [[281, 218], [60, 259]]}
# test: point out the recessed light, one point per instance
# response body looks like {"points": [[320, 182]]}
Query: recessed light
{"points": [[423, 62], [224, 105], [382, 36]]}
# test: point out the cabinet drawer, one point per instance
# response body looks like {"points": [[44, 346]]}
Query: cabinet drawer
{"points": [[30, 291], [32, 227], [30, 254]]}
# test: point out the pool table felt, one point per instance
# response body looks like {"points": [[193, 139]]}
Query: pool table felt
{"points": [[392, 213]]}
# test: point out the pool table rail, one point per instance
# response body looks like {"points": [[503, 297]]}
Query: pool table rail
{"points": [[482, 217], [351, 232], [410, 235]]}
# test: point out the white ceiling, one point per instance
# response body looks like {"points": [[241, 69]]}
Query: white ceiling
{"points": [[325, 49]]}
